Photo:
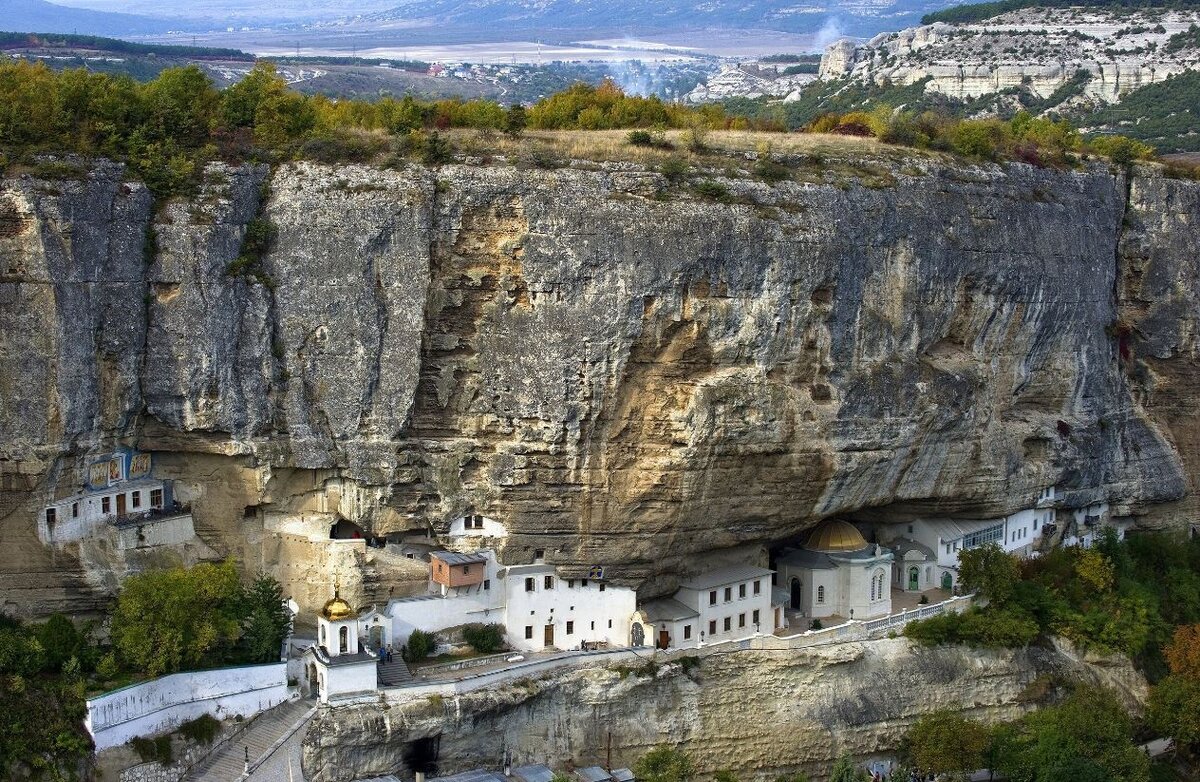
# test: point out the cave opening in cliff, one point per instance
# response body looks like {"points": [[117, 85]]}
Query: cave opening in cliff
{"points": [[422, 755], [345, 529]]}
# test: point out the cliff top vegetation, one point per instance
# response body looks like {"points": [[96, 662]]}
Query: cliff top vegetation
{"points": [[976, 12], [167, 129]]}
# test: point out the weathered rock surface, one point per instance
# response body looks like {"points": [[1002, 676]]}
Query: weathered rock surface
{"points": [[1041, 50], [621, 379], [756, 713]]}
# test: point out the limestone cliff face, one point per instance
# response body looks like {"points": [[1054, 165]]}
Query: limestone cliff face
{"points": [[620, 372], [759, 714]]}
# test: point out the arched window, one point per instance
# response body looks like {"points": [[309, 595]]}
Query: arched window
{"points": [[878, 582], [344, 639], [323, 643], [820, 594], [872, 589]]}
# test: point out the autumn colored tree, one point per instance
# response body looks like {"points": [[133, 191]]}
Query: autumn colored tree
{"points": [[1183, 653]]}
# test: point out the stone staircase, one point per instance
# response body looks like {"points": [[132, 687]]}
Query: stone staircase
{"points": [[228, 761], [394, 673]]}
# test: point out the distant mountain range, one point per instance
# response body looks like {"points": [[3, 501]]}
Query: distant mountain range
{"points": [[37, 16], [658, 16], [545, 19]]}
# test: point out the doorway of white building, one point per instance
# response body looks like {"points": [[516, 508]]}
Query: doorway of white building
{"points": [[549, 640]]}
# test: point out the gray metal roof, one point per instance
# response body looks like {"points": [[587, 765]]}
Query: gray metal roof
{"points": [[667, 610], [455, 558], [904, 545], [474, 775], [592, 774], [622, 775], [802, 557], [725, 576], [535, 773]]}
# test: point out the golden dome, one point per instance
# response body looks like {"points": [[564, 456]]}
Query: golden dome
{"points": [[835, 536], [337, 608]]}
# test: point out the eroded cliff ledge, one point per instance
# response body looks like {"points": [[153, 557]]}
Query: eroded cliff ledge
{"points": [[620, 371], [759, 714]]}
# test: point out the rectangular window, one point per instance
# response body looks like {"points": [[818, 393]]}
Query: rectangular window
{"points": [[728, 623], [758, 587], [909, 529], [712, 598], [741, 620], [466, 569], [539, 553], [687, 632], [105, 505], [51, 515], [570, 628], [156, 498], [754, 618], [136, 499], [593, 625], [487, 583], [529, 585], [728, 594], [712, 627], [570, 583], [548, 582], [74, 510], [601, 586], [741, 591], [609, 624], [529, 632], [990, 535]]}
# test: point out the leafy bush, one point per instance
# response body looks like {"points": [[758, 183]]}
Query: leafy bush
{"points": [[420, 645], [484, 638], [664, 763], [768, 170], [713, 191], [157, 749], [1121, 150], [640, 138], [201, 730], [674, 168]]}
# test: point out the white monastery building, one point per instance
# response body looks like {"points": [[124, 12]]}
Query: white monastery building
{"points": [[837, 573]]}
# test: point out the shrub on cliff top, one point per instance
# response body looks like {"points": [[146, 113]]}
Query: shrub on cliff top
{"points": [[420, 645], [484, 638]]}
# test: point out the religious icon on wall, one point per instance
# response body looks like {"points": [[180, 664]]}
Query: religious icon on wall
{"points": [[139, 466], [98, 474], [114, 469]]}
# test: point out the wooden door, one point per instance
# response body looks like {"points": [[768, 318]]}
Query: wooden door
{"points": [[120, 504], [549, 635], [664, 639]]}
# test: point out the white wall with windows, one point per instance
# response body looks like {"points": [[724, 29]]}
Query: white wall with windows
{"points": [[477, 525], [76, 517], [545, 611], [733, 602]]}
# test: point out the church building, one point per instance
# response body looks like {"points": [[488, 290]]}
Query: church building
{"points": [[837, 573]]}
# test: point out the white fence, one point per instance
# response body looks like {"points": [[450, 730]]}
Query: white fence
{"points": [[161, 704]]}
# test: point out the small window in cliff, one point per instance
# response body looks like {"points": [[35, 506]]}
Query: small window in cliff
{"points": [[51, 515], [105, 504], [75, 510], [602, 587], [1064, 429], [487, 584]]}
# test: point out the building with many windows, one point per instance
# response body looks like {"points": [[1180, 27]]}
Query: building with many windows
{"points": [[724, 604]]}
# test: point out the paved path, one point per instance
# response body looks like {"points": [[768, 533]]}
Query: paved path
{"points": [[229, 762], [275, 767]]}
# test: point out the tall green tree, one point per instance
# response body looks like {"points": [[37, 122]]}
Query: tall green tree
{"points": [[990, 571], [167, 620], [267, 622]]}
